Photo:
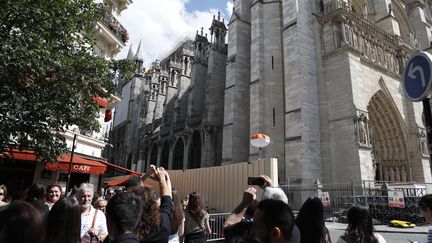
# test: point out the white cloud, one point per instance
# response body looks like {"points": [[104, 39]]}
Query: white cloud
{"points": [[229, 7], [161, 24]]}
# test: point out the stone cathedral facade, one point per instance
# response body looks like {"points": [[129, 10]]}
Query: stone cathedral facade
{"points": [[172, 113], [322, 78]]}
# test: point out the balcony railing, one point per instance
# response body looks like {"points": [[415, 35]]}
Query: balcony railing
{"points": [[114, 25]]}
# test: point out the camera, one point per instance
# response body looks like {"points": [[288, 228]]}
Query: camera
{"points": [[256, 181]]}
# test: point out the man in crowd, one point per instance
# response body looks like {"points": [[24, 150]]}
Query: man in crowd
{"points": [[132, 183], [123, 213], [239, 223], [93, 222], [110, 193], [273, 222]]}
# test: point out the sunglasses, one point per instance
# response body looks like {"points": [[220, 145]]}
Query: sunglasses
{"points": [[1, 194]]}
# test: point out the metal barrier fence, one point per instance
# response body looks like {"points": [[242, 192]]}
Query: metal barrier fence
{"points": [[373, 194], [297, 194], [216, 224]]}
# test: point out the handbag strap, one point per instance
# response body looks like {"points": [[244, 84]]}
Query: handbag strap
{"points": [[94, 218]]}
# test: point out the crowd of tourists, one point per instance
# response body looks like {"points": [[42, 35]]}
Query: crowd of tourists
{"points": [[140, 214]]}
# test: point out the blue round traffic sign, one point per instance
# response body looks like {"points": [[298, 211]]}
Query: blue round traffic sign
{"points": [[417, 76]]}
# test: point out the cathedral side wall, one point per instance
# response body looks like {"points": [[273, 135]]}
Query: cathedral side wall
{"points": [[197, 93], [235, 146], [302, 128], [214, 93], [266, 87], [343, 161]]}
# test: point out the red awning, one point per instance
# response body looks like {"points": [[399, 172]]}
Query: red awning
{"points": [[118, 181], [80, 164], [102, 102], [20, 155]]}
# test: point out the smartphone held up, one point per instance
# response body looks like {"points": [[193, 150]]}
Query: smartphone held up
{"points": [[255, 181]]}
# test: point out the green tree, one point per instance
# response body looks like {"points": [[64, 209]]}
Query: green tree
{"points": [[48, 73]]}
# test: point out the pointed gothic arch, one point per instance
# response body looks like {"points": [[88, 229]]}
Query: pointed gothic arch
{"points": [[405, 27], [389, 139], [153, 155], [195, 150], [178, 154], [362, 8], [165, 155]]}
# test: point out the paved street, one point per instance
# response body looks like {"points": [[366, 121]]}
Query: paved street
{"points": [[392, 235]]}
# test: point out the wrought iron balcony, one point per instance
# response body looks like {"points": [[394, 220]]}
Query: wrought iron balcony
{"points": [[114, 25]]}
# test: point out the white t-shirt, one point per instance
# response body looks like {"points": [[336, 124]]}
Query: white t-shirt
{"points": [[379, 237], [87, 220]]}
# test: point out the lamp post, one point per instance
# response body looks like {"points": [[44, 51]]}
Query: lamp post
{"points": [[260, 141], [70, 162]]}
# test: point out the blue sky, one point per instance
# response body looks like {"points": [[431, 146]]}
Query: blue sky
{"points": [[203, 5], [160, 24]]}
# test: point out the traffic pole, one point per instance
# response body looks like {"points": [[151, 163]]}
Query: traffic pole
{"points": [[428, 121]]}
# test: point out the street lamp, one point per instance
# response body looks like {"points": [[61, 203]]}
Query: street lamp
{"points": [[260, 141], [70, 162]]}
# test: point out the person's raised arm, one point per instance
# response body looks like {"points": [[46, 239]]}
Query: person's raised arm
{"points": [[164, 182], [150, 171], [267, 181], [248, 196]]}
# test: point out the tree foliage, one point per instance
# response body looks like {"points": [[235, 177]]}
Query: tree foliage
{"points": [[48, 73]]}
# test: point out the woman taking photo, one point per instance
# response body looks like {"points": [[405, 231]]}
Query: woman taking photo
{"points": [[196, 220]]}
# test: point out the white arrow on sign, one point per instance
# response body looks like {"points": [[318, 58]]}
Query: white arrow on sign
{"points": [[412, 70]]}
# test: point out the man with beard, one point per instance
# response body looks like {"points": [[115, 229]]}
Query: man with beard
{"points": [[273, 222], [93, 222]]}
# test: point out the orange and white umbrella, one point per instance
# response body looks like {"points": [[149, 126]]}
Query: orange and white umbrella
{"points": [[260, 140]]}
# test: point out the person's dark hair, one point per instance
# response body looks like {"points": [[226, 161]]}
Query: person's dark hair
{"points": [[124, 209], [360, 226], [310, 220], [132, 182], [54, 185], [36, 192], [177, 213], [73, 192], [150, 216], [36, 197], [195, 206], [425, 202], [64, 222], [245, 239], [276, 213], [21, 222]]}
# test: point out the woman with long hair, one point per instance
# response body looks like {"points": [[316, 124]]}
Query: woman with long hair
{"points": [[155, 222], [64, 222], [36, 197], [53, 194], [360, 227], [177, 220], [21, 222], [150, 218], [196, 220], [310, 221]]}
